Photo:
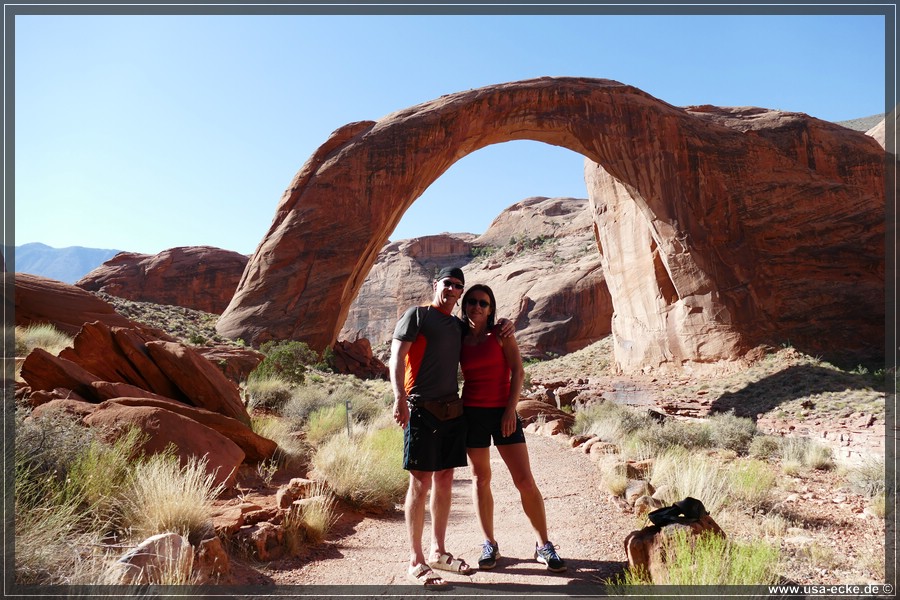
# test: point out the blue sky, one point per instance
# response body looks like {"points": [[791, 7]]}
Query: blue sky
{"points": [[143, 133]]}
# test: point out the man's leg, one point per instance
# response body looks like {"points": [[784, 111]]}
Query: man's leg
{"points": [[441, 495], [414, 512]]}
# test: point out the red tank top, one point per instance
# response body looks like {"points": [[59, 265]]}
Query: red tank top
{"points": [[486, 374]]}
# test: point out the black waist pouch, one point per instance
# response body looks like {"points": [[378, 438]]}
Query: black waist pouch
{"points": [[444, 408]]}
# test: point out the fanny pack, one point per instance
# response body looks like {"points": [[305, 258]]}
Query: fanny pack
{"points": [[443, 408]]}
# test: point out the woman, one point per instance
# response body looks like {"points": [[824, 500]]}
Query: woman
{"points": [[493, 374]]}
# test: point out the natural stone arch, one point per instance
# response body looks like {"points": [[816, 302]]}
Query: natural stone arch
{"points": [[349, 196]]}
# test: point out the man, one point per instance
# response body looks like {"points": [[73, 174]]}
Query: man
{"points": [[424, 359]]}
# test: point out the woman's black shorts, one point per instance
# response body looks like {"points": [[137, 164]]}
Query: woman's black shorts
{"points": [[484, 425]]}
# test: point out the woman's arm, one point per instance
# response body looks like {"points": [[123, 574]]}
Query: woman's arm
{"points": [[517, 378]]}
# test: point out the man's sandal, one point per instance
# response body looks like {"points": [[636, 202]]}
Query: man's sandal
{"points": [[423, 575], [446, 562]]}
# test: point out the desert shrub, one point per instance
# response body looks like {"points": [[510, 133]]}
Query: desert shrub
{"points": [[685, 434], [765, 447], [731, 432], [367, 473], [49, 533], [305, 400], [750, 482], [285, 359], [610, 421], [713, 560], [364, 405], [41, 335], [293, 450], [269, 391], [800, 451], [162, 496], [707, 560], [868, 478], [100, 471], [47, 447], [686, 473], [326, 422]]}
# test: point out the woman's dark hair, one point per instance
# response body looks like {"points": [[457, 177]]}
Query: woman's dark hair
{"points": [[480, 287]]}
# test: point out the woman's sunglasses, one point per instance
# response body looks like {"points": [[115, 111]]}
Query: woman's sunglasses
{"points": [[481, 303], [449, 284]]}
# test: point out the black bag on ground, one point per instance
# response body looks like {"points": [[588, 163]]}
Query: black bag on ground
{"points": [[683, 511]]}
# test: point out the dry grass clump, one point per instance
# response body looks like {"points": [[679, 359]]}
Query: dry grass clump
{"points": [[731, 432], [685, 473], [41, 335], [751, 482], [162, 496], [310, 522], [798, 452], [269, 392], [293, 449], [368, 472], [868, 478]]}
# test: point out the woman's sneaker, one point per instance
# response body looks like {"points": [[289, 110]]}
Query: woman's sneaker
{"points": [[547, 555], [489, 554]]}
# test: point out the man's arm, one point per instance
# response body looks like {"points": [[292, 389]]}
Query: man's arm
{"points": [[399, 350]]}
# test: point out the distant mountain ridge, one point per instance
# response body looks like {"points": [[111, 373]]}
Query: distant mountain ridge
{"points": [[62, 264]]}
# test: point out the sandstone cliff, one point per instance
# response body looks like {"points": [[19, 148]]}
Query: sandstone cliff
{"points": [[199, 277], [540, 258]]}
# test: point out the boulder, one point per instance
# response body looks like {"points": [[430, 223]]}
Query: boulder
{"points": [[162, 558], [211, 562], [356, 358], [164, 428], [531, 410], [646, 548], [198, 277]]}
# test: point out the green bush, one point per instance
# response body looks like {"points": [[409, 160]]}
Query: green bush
{"points": [[269, 391], [731, 432], [285, 359], [765, 447]]}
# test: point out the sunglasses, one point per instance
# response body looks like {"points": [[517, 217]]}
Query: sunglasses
{"points": [[449, 284], [481, 303]]}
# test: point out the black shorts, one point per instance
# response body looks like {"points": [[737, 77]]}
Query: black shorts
{"points": [[430, 444], [484, 424]]}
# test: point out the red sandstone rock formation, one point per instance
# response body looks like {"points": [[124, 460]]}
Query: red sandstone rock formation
{"points": [[42, 300], [767, 217], [198, 277], [769, 230], [539, 257]]}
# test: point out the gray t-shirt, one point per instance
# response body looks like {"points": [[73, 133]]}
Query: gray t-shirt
{"points": [[433, 360]]}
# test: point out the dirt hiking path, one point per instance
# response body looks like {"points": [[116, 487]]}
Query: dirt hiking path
{"points": [[587, 530]]}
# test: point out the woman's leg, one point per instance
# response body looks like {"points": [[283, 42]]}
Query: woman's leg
{"points": [[516, 458], [482, 499]]}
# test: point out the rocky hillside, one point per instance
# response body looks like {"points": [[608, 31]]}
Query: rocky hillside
{"points": [[540, 258]]}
